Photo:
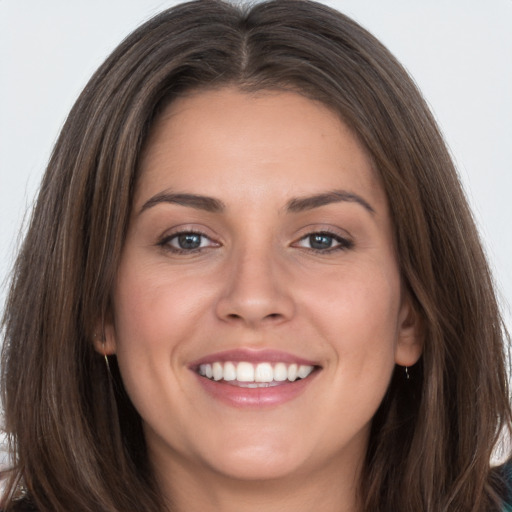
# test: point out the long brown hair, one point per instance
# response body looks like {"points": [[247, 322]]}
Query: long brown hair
{"points": [[76, 441]]}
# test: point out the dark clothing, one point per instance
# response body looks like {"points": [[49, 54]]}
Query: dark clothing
{"points": [[26, 505]]}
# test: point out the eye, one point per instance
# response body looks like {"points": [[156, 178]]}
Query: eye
{"points": [[324, 242], [187, 241]]}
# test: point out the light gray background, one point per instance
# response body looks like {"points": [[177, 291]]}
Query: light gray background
{"points": [[458, 51]]}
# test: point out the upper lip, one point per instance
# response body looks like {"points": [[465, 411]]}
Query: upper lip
{"points": [[253, 356]]}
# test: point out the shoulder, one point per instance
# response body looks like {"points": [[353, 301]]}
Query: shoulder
{"points": [[22, 505], [505, 473]]}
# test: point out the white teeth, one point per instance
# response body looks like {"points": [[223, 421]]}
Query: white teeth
{"points": [[280, 372], [229, 371], [218, 371], [292, 372], [303, 371], [254, 375], [245, 372], [264, 373]]}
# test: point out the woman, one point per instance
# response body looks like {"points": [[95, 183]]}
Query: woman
{"points": [[252, 280]]}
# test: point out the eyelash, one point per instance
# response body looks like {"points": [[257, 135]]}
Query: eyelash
{"points": [[166, 242], [344, 244]]}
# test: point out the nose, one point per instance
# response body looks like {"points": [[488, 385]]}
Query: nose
{"points": [[257, 291]]}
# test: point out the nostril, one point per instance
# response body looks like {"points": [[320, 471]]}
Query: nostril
{"points": [[270, 316], [237, 308]]}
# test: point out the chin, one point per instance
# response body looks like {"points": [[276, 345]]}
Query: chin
{"points": [[253, 454], [257, 465]]}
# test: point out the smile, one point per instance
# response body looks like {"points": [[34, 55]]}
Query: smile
{"points": [[255, 378], [246, 374]]}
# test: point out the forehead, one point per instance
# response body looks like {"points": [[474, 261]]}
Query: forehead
{"points": [[227, 141]]}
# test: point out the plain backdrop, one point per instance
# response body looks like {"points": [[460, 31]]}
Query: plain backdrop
{"points": [[458, 51]]}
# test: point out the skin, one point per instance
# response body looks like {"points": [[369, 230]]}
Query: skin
{"points": [[257, 283]]}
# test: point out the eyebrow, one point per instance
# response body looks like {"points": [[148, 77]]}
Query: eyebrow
{"points": [[335, 196], [199, 202], [295, 205]]}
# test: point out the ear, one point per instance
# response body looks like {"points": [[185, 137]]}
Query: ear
{"points": [[410, 334], [104, 339]]}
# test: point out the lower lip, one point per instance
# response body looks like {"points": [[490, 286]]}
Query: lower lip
{"points": [[256, 397]]}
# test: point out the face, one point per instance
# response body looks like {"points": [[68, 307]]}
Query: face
{"points": [[258, 311]]}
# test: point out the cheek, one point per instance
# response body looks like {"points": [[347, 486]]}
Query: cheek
{"points": [[358, 302], [156, 303], [156, 314], [357, 312]]}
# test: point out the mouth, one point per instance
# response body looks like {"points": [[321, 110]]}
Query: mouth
{"points": [[245, 374], [245, 378]]}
